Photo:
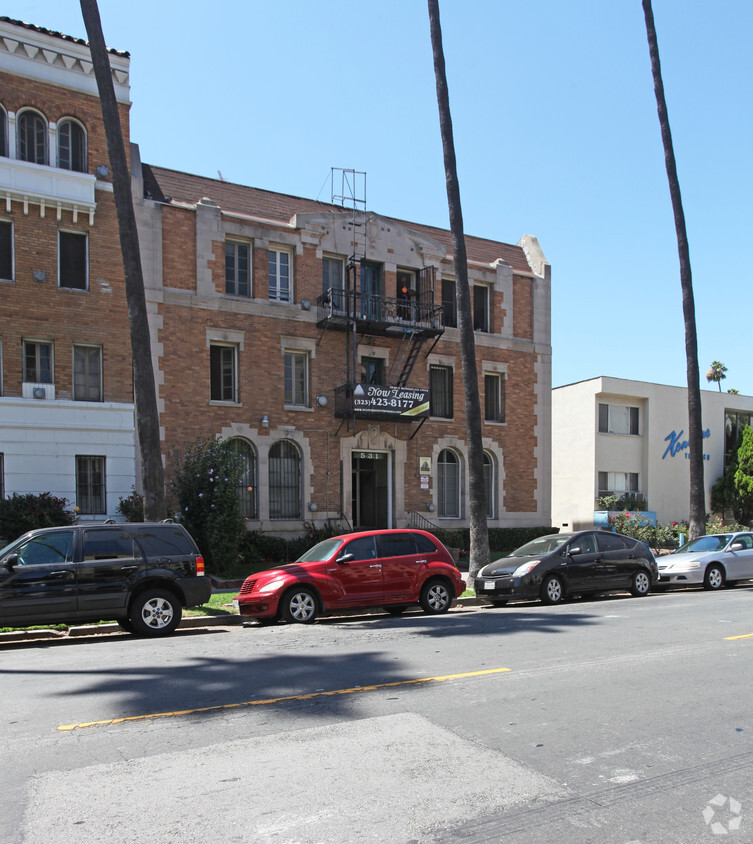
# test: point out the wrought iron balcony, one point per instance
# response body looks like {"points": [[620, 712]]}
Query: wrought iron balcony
{"points": [[381, 315]]}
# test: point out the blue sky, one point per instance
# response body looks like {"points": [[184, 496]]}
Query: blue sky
{"points": [[556, 135]]}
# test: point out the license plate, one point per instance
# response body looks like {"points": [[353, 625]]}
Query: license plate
{"points": [[235, 606], [489, 584]]}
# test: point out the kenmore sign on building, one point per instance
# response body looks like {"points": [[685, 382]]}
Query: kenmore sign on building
{"points": [[613, 436]]}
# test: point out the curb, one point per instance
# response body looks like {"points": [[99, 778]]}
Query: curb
{"points": [[187, 623]]}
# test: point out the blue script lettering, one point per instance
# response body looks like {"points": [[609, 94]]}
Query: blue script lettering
{"points": [[677, 444]]}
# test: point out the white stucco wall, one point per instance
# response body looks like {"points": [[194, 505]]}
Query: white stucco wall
{"points": [[657, 453], [39, 441]]}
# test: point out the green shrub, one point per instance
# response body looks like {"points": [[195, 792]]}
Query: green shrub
{"points": [[20, 513], [131, 508], [205, 487], [500, 539]]}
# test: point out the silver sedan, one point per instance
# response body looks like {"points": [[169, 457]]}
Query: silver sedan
{"points": [[712, 561]]}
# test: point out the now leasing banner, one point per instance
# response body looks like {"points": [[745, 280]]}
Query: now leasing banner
{"points": [[405, 402]]}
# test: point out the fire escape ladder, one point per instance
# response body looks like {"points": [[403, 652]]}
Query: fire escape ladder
{"points": [[411, 353]]}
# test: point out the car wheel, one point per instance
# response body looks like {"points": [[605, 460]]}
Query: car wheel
{"points": [[640, 584], [496, 603], [714, 578], [155, 612], [299, 606], [395, 610], [435, 597], [552, 591]]}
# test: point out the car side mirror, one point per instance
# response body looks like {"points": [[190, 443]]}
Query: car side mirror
{"points": [[571, 552], [737, 546], [344, 558], [11, 562]]}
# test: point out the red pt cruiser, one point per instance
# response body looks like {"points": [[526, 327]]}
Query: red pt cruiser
{"points": [[388, 568]]}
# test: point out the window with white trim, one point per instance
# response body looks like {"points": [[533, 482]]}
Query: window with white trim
{"points": [[31, 136], [73, 260], [87, 373], [280, 274], [37, 362], [247, 483], [618, 419], [620, 484], [223, 373], [285, 481], [448, 484], [3, 132], [440, 392], [297, 379], [237, 268], [494, 397], [71, 146], [90, 485], [449, 303], [490, 485], [6, 250]]}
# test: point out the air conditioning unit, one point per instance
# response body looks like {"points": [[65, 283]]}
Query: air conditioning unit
{"points": [[38, 391]]}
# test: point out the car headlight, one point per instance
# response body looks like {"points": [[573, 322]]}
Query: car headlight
{"points": [[693, 564], [525, 568], [272, 586]]}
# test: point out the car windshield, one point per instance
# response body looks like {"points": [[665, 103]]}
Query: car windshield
{"points": [[541, 545], [712, 542], [321, 551]]}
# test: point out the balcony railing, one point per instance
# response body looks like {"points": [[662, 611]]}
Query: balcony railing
{"points": [[339, 308]]}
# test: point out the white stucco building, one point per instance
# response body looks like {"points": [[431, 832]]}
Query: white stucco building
{"points": [[629, 438]]}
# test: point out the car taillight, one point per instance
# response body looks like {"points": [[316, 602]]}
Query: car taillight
{"points": [[199, 565]]}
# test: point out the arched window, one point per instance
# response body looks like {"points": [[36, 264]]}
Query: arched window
{"points": [[71, 146], [32, 137], [247, 484], [490, 485], [448, 484], [3, 132], [284, 481]]}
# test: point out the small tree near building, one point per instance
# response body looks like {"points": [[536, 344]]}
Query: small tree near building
{"points": [[744, 474]]}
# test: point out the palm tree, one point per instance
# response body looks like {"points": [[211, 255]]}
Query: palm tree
{"points": [[695, 436], [479, 550], [716, 373], [147, 417]]}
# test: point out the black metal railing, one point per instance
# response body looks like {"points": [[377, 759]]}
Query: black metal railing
{"points": [[340, 306]]}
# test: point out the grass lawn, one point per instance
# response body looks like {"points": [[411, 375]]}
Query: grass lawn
{"points": [[220, 603]]}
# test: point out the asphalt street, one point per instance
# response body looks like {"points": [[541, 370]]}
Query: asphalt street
{"points": [[608, 720]]}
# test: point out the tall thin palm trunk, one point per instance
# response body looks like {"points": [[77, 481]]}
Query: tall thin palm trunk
{"points": [[147, 417], [479, 550], [695, 427]]}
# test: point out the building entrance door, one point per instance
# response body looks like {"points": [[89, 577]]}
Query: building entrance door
{"points": [[370, 485]]}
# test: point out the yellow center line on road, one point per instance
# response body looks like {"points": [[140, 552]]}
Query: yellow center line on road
{"points": [[309, 696], [731, 638]]}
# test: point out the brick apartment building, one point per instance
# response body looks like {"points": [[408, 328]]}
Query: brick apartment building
{"points": [[321, 338]]}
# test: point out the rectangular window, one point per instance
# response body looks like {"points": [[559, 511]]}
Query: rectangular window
{"points": [[87, 373], [297, 379], [90, 485], [72, 267], [735, 423], [621, 484], [618, 419], [223, 373], [449, 303], [494, 397], [6, 251], [2, 475], [37, 362], [480, 307], [280, 275], [440, 392], [237, 269], [332, 274], [372, 371]]}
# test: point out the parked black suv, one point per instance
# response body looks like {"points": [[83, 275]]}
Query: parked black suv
{"points": [[139, 574]]}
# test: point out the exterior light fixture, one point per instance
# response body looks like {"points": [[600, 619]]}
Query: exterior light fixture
{"points": [[313, 507], [265, 421], [430, 507], [321, 401]]}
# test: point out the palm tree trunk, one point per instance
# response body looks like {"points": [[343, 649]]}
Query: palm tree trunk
{"points": [[147, 417], [695, 436], [479, 550]]}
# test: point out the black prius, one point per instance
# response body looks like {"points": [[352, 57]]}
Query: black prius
{"points": [[563, 565]]}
